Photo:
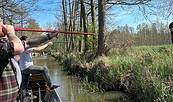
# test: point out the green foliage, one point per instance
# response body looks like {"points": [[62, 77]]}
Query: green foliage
{"points": [[32, 24], [90, 86], [144, 73], [155, 33]]}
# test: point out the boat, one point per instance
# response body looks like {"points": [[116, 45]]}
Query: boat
{"points": [[39, 90]]}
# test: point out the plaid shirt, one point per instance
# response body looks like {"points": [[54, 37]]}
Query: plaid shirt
{"points": [[8, 84]]}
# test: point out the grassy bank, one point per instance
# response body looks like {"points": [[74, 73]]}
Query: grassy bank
{"points": [[144, 73]]}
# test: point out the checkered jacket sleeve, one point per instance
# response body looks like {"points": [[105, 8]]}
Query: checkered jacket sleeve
{"points": [[8, 83]]}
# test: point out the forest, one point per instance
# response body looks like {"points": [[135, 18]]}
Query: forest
{"points": [[95, 16], [134, 60]]}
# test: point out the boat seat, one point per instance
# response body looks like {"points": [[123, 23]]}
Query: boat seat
{"points": [[37, 81], [36, 77]]}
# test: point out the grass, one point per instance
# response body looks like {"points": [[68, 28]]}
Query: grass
{"points": [[144, 73]]}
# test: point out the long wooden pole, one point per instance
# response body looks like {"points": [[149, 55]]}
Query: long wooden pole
{"points": [[52, 31]]}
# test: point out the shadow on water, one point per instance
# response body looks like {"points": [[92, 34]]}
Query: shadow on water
{"points": [[70, 87]]}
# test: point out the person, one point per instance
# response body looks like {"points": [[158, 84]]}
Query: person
{"points": [[26, 62], [10, 46], [171, 29]]}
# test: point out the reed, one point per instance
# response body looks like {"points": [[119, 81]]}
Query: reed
{"points": [[144, 73]]}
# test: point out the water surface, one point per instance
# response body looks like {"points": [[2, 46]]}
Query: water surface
{"points": [[70, 87]]}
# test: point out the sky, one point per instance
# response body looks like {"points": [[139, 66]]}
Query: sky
{"points": [[45, 17], [131, 16], [119, 16], [48, 15]]}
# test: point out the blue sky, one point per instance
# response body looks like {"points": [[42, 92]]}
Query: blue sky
{"points": [[44, 17], [48, 15], [119, 17]]}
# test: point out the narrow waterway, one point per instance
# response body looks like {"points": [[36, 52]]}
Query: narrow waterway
{"points": [[70, 89]]}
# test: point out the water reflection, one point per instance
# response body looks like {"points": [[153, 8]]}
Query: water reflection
{"points": [[70, 87]]}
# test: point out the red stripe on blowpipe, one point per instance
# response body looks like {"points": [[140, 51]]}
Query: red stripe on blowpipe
{"points": [[84, 33], [52, 31], [33, 30]]}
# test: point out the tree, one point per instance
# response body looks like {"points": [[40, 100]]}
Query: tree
{"points": [[64, 8], [102, 27], [102, 48], [32, 24], [93, 17], [14, 11], [84, 25], [144, 6]]}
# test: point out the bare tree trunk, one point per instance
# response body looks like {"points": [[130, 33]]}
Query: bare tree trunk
{"points": [[74, 19], [81, 23], [84, 25], [102, 27], [93, 16], [70, 25], [64, 7]]}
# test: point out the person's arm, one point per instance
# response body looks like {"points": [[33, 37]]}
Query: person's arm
{"points": [[15, 42], [37, 41], [36, 49]]}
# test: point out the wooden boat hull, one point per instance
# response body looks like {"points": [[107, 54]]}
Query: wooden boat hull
{"points": [[39, 90]]}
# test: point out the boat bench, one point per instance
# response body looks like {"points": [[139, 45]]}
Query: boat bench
{"points": [[37, 81]]}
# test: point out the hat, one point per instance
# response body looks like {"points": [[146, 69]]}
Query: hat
{"points": [[171, 25], [23, 37]]}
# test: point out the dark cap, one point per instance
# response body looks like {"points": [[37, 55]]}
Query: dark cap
{"points": [[171, 25], [23, 37]]}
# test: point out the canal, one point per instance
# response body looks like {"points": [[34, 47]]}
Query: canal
{"points": [[70, 89]]}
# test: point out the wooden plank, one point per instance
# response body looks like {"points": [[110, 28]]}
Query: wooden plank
{"points": [[36, 78]]}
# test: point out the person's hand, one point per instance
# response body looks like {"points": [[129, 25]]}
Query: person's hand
{"points": [[57, 34], [53, 34], [8, 29], [50, 43]]}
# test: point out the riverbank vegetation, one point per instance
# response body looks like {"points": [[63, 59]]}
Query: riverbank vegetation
{"points": [[143, 73]]}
